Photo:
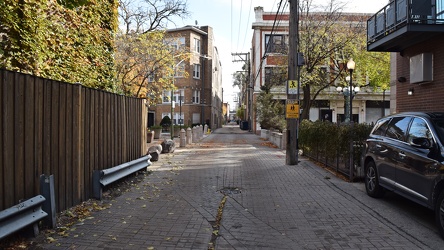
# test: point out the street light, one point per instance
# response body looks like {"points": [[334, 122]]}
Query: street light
{"points": [[346, 92], [172, 95], [351, 66]]}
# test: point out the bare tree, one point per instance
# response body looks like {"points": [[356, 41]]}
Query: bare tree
{"points": [[148, 15]]}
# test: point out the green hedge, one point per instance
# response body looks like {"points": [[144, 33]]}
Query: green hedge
{"points": [[330, 139]]}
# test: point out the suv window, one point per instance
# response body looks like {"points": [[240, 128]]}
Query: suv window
{"points": [[439, 127], [419, 129], [381, 127], [397, 127]]}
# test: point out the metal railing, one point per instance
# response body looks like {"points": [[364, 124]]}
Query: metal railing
{"points": [[399, 13]]}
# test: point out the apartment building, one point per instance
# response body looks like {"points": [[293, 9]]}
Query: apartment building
{"points": [[197, 98], [368, 104], [414, 32]]}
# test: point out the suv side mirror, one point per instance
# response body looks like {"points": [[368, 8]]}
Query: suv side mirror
{"points": [[422, 142]]}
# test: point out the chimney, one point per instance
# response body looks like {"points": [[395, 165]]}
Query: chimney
{"points": [[259, 11]]}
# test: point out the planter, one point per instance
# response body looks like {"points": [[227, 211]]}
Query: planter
{"points": [[176, 131], [150, 136], [156, 132]]}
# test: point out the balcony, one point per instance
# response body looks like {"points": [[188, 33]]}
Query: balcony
{"points": [[404, 23]]}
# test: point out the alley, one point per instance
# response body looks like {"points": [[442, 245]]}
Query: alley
{"points": [[233, 191]]}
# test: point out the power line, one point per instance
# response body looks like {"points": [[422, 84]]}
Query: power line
{"points": [[248, 21], [239, 29]]}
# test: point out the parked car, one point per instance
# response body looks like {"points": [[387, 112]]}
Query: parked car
{"points": [[404, 154]]}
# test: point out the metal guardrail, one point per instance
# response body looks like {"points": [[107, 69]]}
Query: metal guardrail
{"points": [[107, 176], [21, 216]]}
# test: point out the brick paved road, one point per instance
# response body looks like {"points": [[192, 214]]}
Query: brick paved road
{"points": [[232, 191]]}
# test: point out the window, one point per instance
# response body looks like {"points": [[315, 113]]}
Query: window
{"points": [[179, 70], [197, 45], [150, 78], [166, 98], [275, 76], [196, 71], [178, 118], [440, 10], [178, 96], [176, 43], [276, 43], [196, 96], [419, 129], [381, 127], [397, 128]]}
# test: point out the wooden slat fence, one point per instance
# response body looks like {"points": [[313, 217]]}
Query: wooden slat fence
{"points": [[66, 130]]}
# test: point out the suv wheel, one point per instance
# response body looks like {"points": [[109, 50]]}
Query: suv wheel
{"points": [[372, 182], [439, 213]]}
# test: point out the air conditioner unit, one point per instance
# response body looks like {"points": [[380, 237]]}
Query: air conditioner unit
{"points": [[421, 68]]}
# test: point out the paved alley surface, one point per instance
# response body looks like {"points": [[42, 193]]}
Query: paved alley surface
{"points": [[232, 190]]}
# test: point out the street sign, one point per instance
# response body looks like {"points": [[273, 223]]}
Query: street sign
{"points": [[292, 109], [292, 87]]}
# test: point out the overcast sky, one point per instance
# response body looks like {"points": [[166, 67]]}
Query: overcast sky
{"points": [[231, 21]]}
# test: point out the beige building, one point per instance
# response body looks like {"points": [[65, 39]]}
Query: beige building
{"points": [[198, 95]]}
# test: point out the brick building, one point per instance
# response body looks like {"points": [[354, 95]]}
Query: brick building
{"points": [[414, 32], [197, 98], [368, 104]]}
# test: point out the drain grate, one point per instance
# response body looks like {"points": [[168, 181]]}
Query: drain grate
{"points": [[230, 190]]}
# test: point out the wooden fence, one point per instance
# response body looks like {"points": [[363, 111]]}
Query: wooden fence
{"points": [[66, 130]]}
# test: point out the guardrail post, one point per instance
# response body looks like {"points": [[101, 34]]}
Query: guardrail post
{"points": [[47, 190], [97, 188]]}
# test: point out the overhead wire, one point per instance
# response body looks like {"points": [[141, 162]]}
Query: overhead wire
{"points": [[240, 23], [248, 21]]}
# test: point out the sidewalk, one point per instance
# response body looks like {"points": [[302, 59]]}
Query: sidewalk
{"points": [[229, 191]]}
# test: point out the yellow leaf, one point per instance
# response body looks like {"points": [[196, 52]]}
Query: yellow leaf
{"points": [[50, 239]]}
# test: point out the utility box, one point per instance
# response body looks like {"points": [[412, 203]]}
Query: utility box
{"points": [[421, 68]]}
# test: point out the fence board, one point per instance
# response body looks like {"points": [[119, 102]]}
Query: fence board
{"points": [[46, 142], [8, 138], [38, 130], [76, 181], [59, 133], [55, 140], [2, 98], [19, 140], [29, 154]]}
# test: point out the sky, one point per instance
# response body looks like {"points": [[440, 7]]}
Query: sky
{"points": [[231, 21]]}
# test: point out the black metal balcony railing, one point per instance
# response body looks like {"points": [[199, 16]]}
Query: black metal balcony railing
{"points": [[414, 15]]}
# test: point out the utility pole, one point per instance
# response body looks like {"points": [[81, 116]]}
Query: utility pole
{"points": [[245, 57], [292, 106]]}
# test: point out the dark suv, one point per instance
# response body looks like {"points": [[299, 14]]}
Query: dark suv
{"points": [[405, 154]]}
